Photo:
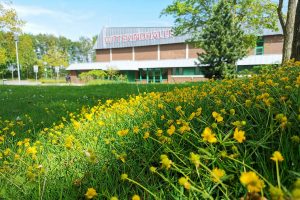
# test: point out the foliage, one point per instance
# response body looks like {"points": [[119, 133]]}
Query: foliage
{"points": [[27, 55], [191, 15], [92, 75], [194, 16], [54, 58], [95, 77], [111, 73], [9, 20], [222, 40], [225, 139]]}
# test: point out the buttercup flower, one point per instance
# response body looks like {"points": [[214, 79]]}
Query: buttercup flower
{"points": [[277, 157], [209, 136], [136, 197], [251, 181], [91, 193], [217, 117], [217, 174], [165, 161], [239, 135], [185, 183]]}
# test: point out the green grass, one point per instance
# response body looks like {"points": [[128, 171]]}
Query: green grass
{"points": [[47, 104], [197, 141]]}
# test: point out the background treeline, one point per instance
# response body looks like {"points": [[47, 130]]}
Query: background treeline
{"points": [[44, 50]]}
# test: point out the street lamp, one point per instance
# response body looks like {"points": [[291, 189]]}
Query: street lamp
{"points": [[17, 55], [45, 69]]}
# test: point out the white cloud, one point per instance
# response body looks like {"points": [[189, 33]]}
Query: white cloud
{"points": [[63, 16], [38, 28], [26, 11]]}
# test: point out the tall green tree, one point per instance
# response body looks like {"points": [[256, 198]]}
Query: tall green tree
{"points": [[27, 55], [54, 57], [191, 16], [223, 41]]}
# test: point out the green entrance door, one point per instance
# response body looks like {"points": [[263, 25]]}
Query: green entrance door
{"points": [[154, 76]]}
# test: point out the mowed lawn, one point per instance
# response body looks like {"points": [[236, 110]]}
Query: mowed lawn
{"points": [[46, 105]]}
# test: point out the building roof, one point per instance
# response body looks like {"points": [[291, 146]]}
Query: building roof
{"points": [[136, 65], [121, 37]]}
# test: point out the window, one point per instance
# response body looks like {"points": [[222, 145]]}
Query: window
{"points": [[189, 71], [259, 50]]}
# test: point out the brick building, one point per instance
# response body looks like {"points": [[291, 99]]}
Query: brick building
{"points": [[153, 54]]}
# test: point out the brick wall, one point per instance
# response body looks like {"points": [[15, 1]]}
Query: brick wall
{"points": [[103, 55], [193, 51], [186, 79], [273, 44], [122, 54], [146, 53], [172, 51]]}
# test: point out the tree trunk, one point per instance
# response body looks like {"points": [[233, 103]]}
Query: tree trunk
{"points": [[296, 40], [289, 30]]}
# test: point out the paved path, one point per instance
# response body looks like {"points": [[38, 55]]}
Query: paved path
{"points": [[25, 82]]}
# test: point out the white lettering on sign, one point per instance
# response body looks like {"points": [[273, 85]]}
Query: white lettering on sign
{"points": [[155, 35]]}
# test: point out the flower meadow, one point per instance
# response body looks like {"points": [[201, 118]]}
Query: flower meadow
{"points": [[229, 139]]}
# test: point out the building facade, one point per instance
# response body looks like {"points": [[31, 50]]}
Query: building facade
{"points": [[154, 54]]}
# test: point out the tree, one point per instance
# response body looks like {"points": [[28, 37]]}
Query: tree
{"points": [[288, 27], [27, 55], [9, 20], [296, 39], [191, 16], [222, 40], [54, 57]]}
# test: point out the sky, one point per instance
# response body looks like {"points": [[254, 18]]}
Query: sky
{"points": [[75, 18]]}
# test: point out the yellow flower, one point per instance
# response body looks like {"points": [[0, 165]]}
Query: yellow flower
{"points": [[217, 174], [178, 108], [1, 139], [251, 181], [277, 156], [76, 124], [123, 132], [171, 130], [114, 198], [136, 197], [159, 132], [276, 193], [91, 193], [146, 135], [232, 111], [239, 135], [124, 177], [7, 152], [248, 103], [136, 129], [153, 169], [184, 128], [209, 136], [185, 183], [217, 117], [31, 150], [195, 159], [191, 117], [165, 161]]}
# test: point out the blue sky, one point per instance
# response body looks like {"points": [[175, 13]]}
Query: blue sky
{"points": [[75, 18]]}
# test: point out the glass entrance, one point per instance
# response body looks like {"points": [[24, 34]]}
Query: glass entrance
{"points": [[154, 76]]}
